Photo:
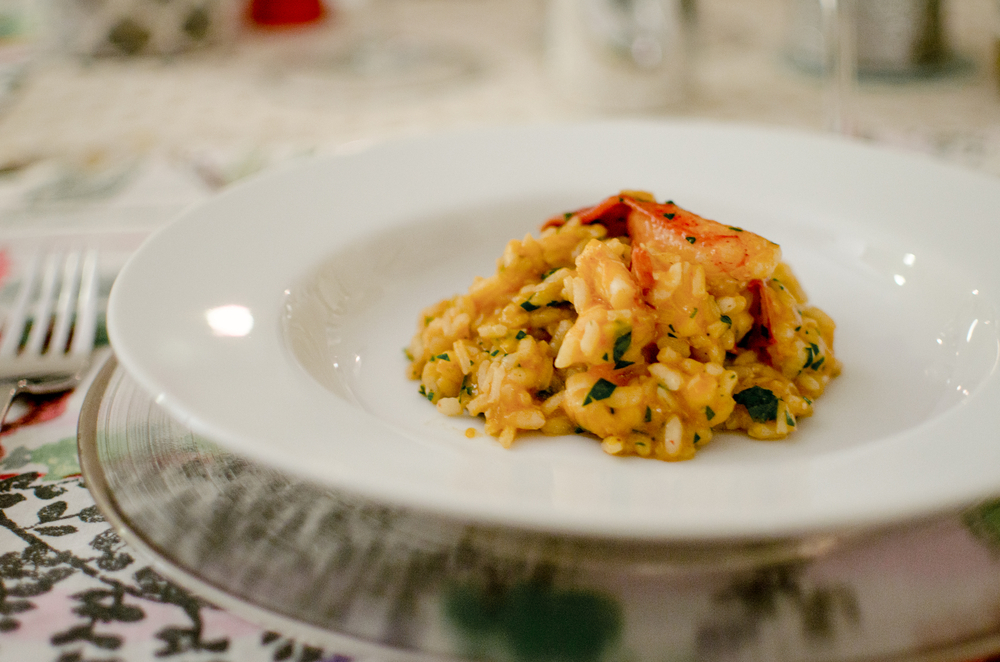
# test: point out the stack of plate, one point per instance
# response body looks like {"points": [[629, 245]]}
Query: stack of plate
{"points": [[260, 438]]}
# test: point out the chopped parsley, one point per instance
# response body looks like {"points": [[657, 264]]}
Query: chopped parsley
{"points": [[761, 403], [728, 320], [814, 359], [691, 240], [669, 216], [649, 414], [709, 413], [601, 390], [735, 229], [443, 357], [788, 419], [622, 343], [527, 305], [520, 334], [694, 312]]}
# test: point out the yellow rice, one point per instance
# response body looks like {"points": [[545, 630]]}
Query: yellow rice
{"points": [[566, 338]]}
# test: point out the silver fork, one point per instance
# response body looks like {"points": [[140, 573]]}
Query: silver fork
{"points": [[47, 338]]}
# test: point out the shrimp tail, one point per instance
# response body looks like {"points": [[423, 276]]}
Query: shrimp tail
{"points": [[612, 213]]}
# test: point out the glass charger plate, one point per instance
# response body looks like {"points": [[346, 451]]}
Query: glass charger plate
{"points": [[363, 578]]}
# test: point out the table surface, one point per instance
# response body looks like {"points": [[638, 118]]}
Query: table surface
{"points": [[117, 146]]}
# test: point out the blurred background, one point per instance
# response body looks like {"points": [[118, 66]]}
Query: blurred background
{"points": [[150, 104]]}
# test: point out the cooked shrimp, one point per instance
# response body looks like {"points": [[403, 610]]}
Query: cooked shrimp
{"points": [[723, 250]]}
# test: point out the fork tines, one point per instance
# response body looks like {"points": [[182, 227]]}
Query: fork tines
{"points": [[54, 314]]}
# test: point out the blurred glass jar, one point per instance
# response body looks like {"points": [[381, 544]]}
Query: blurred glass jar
{"points": [[892, 37], [618, 55], [141, 27]]}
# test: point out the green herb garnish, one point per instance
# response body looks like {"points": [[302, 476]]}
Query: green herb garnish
{"points": [[814, 359], [601, 390], [622, 343], [761, 403]]}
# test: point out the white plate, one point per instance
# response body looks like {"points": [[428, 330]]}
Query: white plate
{"points": [[333, 260]]}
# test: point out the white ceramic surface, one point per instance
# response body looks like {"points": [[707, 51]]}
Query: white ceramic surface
{"points": [[272, 319]]}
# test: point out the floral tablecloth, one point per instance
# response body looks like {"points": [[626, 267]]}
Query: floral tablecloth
{"points": [[72, 590]]}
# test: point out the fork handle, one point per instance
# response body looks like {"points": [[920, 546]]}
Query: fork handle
{"points": [[8, 391]]}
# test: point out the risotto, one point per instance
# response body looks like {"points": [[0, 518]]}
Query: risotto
{"points": [[635, 322]]}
